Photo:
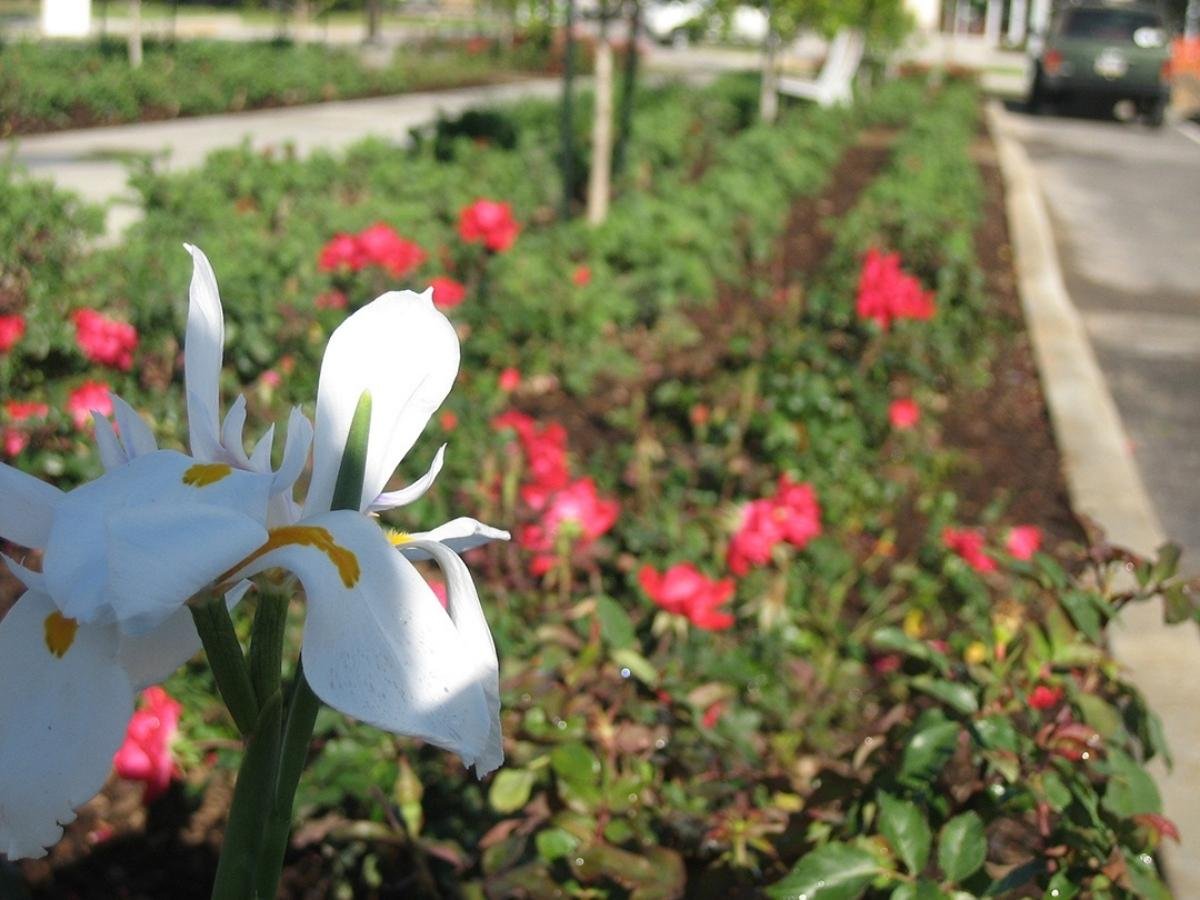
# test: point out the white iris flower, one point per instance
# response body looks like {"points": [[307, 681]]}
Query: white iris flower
{"points": [[107, 615]]}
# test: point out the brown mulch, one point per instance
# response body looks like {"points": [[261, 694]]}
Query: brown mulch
{"points": [[1003, 430]]}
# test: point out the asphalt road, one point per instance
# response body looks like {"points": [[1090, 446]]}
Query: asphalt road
{"points": [[1125, 203]]}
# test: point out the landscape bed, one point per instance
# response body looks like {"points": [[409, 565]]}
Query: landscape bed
{"points": [[901, 690]]}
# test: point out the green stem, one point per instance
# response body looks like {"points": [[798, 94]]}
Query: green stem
{"points": [[252, 798], [297, 733], [228, 662], [266, 644], [275, 824]]}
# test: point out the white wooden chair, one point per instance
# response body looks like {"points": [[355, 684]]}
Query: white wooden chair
{"points": [[834, 83]]}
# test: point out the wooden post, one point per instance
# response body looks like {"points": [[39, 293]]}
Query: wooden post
{"points": [[567, 121], [768, 98], [600, 180], [628, 89], [135, 34]]}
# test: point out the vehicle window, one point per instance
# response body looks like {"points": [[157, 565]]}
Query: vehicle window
{"points": [[1107, 24]]}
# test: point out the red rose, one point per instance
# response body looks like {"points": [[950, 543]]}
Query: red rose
{"points": [[146, 754], [12, 329], [341, 252], [510, 380], [683, 590], [904, 414], [968, 543], [1023, 541], [89, 397], [104, 340], [1043, 697], [380, 245], [447, 293], [489, 223], [887, 293]]}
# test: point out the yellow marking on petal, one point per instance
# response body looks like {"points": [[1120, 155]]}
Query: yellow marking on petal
{"points": [[60, 633], [308, 536], [204, 474], [396, 538]]}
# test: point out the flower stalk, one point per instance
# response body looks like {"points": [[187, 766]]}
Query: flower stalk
{"points": [[227, 661], [260, 819]]}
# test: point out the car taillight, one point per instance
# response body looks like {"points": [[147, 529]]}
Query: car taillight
{"points": [[1052, 62]]}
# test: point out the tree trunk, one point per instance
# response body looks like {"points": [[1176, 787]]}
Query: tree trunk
{"points": [[567, 121], [374, 20], [600, 182], [768, 98], [628, 89], [135, 34], [301, 16]]}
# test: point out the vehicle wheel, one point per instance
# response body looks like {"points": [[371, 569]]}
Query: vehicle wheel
{"points": [[1036, 101], [1154, 113]]}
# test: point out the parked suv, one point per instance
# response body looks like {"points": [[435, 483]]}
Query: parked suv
{"points": [[1111, 51]]}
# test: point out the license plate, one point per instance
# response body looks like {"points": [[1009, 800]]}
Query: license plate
{"points": [[1111, 64]]}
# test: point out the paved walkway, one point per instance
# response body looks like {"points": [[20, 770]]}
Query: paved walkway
{"points": [[90, 161]]}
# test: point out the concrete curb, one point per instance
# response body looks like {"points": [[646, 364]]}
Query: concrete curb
{"points": [[1105, 485]]}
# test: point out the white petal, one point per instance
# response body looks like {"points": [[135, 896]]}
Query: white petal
{"points": [[203, 350], [233, 430], [295, 452], [61, 721], [382, 649], [405, 352], [283, 510], [460, 535], [135, 433], [475, 639], [414, 491], [27, 507], [150, 658], [34, 581], [137, 542], [204, 439], [260, 456], [112, 453]]}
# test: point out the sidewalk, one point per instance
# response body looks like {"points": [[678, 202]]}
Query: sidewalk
{"points": [[90, 161]]}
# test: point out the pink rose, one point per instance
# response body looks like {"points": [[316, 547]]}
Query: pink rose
{"points": [[146, 754]]}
